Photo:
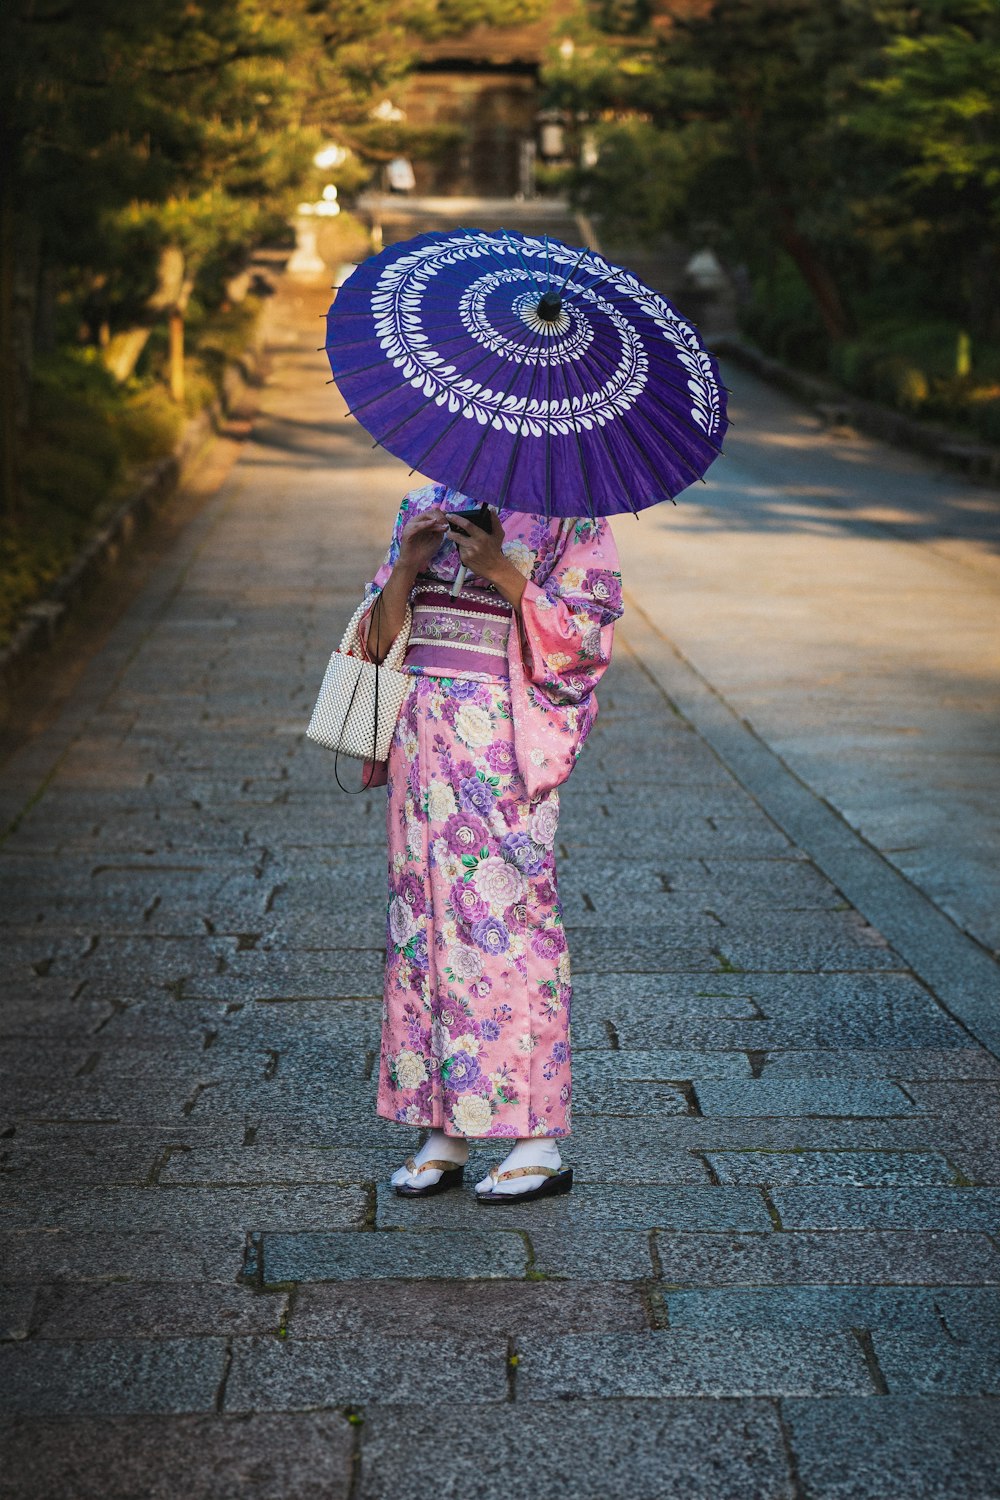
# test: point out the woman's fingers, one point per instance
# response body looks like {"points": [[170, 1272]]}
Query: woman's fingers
{"points": [[427, 522], [422, 536]]}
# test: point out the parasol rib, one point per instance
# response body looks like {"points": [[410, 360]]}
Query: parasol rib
{"points": [[625, 429], [524, 268], [615, 465], [482, 436], [579, 446], [380, 395], [638, 410], [438, 437], [513, 447]]}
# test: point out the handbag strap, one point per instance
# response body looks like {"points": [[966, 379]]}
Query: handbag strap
{"points": [[393, 659], [352, 635]]}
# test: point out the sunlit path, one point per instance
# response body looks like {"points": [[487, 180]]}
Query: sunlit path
{"points": [[845, 599]]}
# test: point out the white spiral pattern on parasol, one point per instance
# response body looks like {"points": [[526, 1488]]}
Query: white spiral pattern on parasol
{"points": [[397, 308]]}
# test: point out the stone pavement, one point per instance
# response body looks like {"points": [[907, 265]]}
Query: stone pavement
{"points": [[779, 1275], [844, 598]]}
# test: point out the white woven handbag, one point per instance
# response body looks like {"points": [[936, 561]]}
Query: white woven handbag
{"points": [[359, 702]]}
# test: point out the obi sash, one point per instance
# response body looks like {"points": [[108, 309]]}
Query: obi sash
{"points": [[458, 637]]}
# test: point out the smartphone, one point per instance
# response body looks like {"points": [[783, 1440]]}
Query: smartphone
{"points": [[480, 518]]}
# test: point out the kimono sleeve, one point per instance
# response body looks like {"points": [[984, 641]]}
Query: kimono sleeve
{"points": [[567, 623], [560, 651]]}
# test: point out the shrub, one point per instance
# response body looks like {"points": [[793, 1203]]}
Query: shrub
{"points": [[148, 425], [894, 379]]}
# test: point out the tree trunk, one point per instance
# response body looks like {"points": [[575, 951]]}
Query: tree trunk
{"points": [[8, 367], [177, 355], [817, 278], [20, 245]]}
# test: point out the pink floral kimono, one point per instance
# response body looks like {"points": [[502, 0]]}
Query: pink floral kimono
{"points": [[476, 1014]]}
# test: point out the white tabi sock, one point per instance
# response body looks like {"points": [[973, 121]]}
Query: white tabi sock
{"points": [[534, 1151], [437, 1147]]}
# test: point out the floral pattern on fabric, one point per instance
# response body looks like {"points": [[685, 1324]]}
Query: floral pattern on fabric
{"points": [[477, 999]]}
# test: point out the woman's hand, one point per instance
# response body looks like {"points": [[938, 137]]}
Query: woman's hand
{"points": [[421, 538], [482, 553]]}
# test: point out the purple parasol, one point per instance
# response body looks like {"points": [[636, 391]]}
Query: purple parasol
{"points": [[526, 373]]}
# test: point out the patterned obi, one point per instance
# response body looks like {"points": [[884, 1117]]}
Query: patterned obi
{"points": [[461, 637]]}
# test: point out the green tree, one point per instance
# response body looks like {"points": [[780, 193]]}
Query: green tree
{"points": [[729, 124], [856, 142], [146, 146], [928, 121]]}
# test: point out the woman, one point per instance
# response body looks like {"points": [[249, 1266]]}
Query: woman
{"points": [[475, 1032]]}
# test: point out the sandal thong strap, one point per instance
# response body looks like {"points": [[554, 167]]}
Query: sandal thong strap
{"points": [[425, 1166], [523, 1172]]}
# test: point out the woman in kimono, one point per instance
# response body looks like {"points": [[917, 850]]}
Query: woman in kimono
{"points": [[476, 1014]]}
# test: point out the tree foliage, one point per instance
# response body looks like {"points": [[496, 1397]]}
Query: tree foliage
{"points": [[856, 143], [142, 137]]}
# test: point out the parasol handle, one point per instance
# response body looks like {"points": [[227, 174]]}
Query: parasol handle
{"points": [[460, 577]]}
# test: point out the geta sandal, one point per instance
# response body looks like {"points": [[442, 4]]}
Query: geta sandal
{"points": [[451, 1176], [557, 1180]]}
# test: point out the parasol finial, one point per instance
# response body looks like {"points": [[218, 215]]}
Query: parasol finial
{"points": [[549, 307]]}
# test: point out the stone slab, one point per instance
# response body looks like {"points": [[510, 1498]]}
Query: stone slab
{"points": [[914, 1309], [607, 1157], [831, 1168], [176, 1210], [90, 1137], [978, 1165], [691, 1362], [897, 1447], [930, 1363], [54, 1255], [613, 950], [964, 1101], [889, 1208], [38, 1012], [590, 1068], [589, 1254], [631, 1450], [16, 1311], [808, 942], [294, 1374], [121, 1377], [626, 1098], [260, 1165], [847, 1257], [141, 898], [846, 1097], [295, 1456], [589, 1208], [278, 976], [127, 1165], [740, 837], [433, 1254], [681, 995], [153, 1310], [803, 1011], [651, 1138], [675, 884], [903, 1063], [286, 1123], [495, 1309]]}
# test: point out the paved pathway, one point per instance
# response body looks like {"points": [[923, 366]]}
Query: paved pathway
{"points": [[780, 1273], [844, 598]]}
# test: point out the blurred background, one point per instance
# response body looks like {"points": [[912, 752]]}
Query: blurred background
{"points": [[822, 176]]}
